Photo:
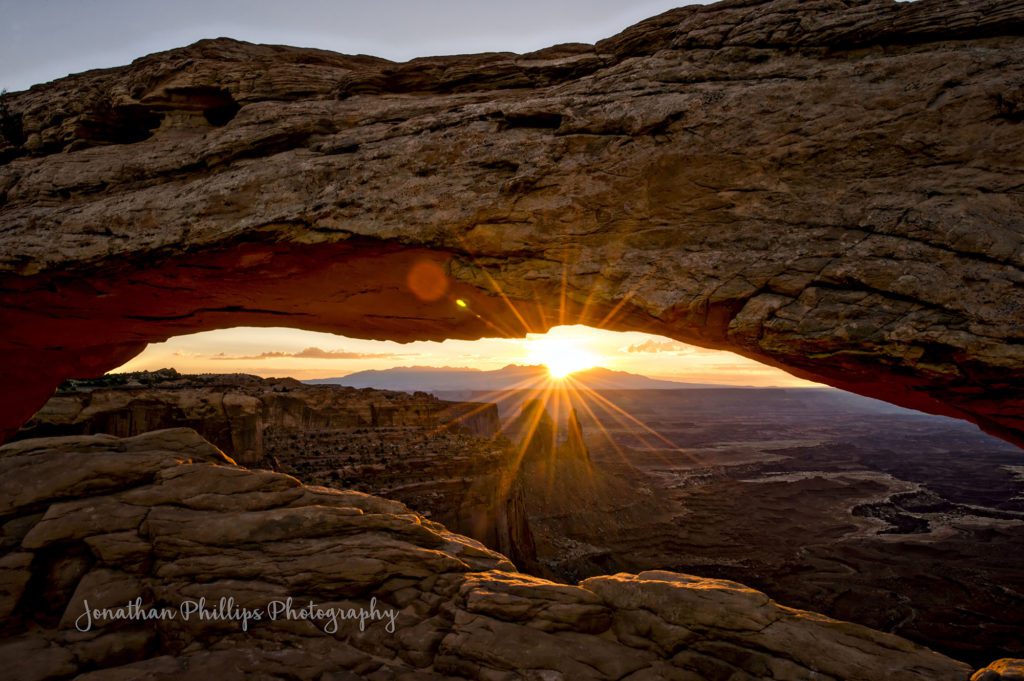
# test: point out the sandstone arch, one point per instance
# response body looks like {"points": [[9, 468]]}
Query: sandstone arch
{"points": [[829, 187]]}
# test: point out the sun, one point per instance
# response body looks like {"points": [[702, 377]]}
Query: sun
{"points": [[561, 356]]}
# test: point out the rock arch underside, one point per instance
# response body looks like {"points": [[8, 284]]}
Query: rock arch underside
{"points": [[833, 187]]}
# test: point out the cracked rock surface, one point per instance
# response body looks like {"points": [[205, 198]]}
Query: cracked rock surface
{"points": [[167, 518]]}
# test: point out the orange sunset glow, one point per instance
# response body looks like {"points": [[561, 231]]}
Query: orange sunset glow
{"points": [[307, 355]]}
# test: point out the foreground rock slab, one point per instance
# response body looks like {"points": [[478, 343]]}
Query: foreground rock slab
{"points": [[829, 187], [92, 523]]}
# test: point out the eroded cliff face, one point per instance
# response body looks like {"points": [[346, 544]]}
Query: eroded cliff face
{"points": [[829, 187], [245, 416], [167, 518]]}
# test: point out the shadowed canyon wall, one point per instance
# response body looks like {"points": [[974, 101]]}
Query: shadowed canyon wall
{"points": [[829, 187]]}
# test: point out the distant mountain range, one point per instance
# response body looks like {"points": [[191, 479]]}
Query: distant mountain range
{"points": [[512, 377]]}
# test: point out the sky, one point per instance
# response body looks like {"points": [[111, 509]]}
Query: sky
{"points": [[41, 40], [308, 354]]}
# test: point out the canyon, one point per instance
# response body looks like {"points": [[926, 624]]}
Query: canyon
{"points": [[167, 518], [829, 502]]}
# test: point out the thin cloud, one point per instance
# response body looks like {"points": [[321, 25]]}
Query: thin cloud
{"points": [[313, 353], [652, 346]]}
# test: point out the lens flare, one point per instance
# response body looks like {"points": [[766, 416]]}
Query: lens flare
{"points": [[427, 281]]}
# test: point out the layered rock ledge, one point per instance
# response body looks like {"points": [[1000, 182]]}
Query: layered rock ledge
{"points": [[832, 187], [442, 458], [168, 518]]}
